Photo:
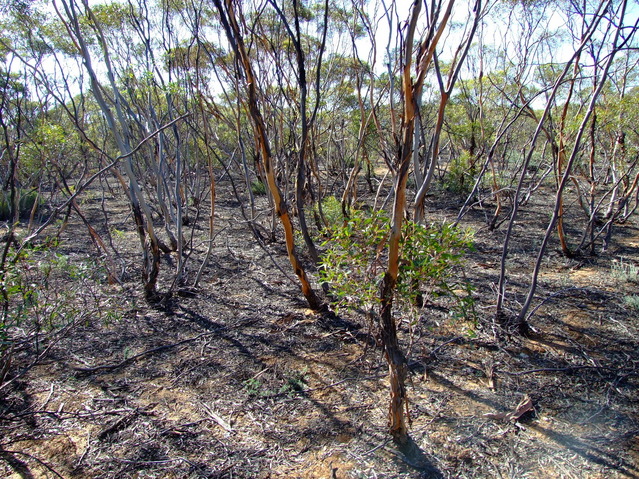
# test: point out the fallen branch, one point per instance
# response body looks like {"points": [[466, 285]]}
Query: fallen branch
{"points": [[619, 371], [522, 408], [113, 366]]}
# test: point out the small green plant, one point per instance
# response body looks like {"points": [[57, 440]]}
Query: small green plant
{"points": [[295, 383], [355, 258], [253, 387], [625, 271], [27, 199], [258, 187], [632, 301], [117, 234], [332, 211]]}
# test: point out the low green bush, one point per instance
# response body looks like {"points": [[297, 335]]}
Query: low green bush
{"points": [[27, 198], [258, 187], [355, 256]]}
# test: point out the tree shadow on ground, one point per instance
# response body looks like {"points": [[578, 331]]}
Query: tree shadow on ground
{"points": [[589, 452], [413, 455]]}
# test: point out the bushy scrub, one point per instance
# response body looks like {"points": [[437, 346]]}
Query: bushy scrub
{"points": [[331, 212], [27, 199], [355, 257], [459, 177], [258, 187], [42, 294]]}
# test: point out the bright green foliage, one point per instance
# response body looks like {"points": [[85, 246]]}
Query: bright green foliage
{"points": [[355, 257], [430, 257], [43, 291], [258, 187], [353, 261], [27, 199], [331, 212]]}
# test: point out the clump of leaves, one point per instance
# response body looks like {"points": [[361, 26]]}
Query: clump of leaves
{"points": [[355, 258], [253, 387], [353, 261], [625, 271], [330, 212], [632, 301], [42, 293], [258, 187], [296, 382]]}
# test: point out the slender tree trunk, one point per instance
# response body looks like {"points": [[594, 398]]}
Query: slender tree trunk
{"points": [[561, 160], [522, 318], [139, 207], [445, 94], [388, 328], [501, 286], [231, 26]]}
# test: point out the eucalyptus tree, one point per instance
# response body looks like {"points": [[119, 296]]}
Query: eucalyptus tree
{"points": [[618, 128], [421, 54], [13, 96], [499, 97], [233, 21], [120, 54], [602, 21], [425, 166], [605, 171]]}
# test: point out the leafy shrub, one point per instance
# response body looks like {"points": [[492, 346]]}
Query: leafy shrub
{"points": [[355, 257], [331, 212], [353, 262], [43, 293], [459, 178], [258, 187], [27, 198], [625, 272]]}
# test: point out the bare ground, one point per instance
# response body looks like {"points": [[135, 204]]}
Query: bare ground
{"points": [[240, 380]]}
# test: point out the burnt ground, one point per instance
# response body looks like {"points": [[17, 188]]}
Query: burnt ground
{"points": [[239, 380]]}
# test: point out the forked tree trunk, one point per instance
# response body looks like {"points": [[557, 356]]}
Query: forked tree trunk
{"points": [[231, 26], [388, 328], [501, 286], [522, 318], [139, 207]]}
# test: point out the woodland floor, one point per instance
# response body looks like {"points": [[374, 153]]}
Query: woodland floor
{"points": [[240, 380]]}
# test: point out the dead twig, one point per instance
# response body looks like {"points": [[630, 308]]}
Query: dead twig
{"points": [[619, 371], [113, 366], [217, 418], [5, 452]]}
